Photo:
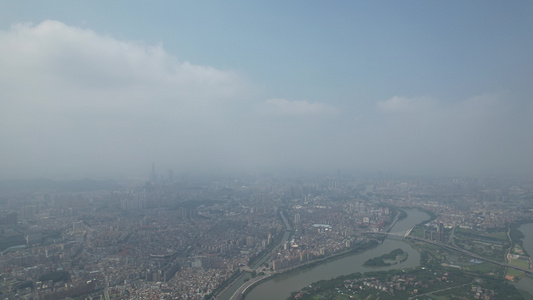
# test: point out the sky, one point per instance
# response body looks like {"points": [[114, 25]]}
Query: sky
{"points": [[101, 89]]}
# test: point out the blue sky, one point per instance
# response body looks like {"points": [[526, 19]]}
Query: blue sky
{"points": [[405, 86]]}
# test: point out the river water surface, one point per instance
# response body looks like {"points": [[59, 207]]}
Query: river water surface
{"points": [[526, 283], [282, 286]]}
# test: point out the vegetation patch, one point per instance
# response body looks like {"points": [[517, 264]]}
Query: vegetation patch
{"points": [[492, 245], [433, 282], [396, 256]]}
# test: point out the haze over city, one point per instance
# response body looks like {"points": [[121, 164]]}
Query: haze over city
{"points": [[102, 90], [242, 150]]}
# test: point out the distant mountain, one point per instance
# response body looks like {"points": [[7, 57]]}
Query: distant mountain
{"points": [[41, 184]]}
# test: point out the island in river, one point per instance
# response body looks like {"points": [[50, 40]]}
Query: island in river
{"points": [[396, 256]]}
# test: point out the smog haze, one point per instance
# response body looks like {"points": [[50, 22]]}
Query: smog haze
{"points": [[96, 89]]}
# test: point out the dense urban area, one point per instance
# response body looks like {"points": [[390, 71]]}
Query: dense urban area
{"points": [[191, 236]]}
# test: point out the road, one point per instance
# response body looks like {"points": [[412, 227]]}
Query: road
{"points": [[242, 289]]}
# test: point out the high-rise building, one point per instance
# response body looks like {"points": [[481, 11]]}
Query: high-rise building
{"points": [[440, 233], [153, 175]]}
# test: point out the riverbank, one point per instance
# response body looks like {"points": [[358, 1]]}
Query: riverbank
{"points": [[526, 241], [399, 215], [281, 285], [441, 282], [310, 264], [432, 215]]}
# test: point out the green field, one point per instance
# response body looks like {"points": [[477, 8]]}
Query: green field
{"points": [[520, 263], [484, 267], [499, 235], [417, 231], [513, 272]]}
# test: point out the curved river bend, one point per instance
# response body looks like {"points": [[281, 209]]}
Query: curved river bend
{"points": [[282, 286]]}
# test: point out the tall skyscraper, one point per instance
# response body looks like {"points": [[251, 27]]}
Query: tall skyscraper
{"points": [[153, 175], [440, 233]]}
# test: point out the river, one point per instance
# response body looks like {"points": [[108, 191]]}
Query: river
{"points": [[526, 283], [282, 286]]}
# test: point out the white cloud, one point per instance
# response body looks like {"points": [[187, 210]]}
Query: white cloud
{"points": [[74, 96], [399, 104], [297, 108], [54, 54]]}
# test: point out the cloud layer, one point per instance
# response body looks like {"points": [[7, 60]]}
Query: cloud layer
{"points": [[75, 97], [74, 102], [297, 108]]}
